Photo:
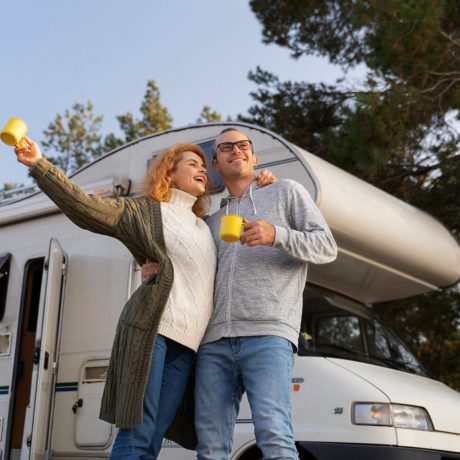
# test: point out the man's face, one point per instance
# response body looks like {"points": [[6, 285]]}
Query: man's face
{"points": [[237, 162]]}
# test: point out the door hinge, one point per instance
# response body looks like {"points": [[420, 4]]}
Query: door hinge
{"points": [[36, 355]]}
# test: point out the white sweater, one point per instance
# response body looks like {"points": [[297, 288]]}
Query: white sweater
{"points": [[191, 248]]}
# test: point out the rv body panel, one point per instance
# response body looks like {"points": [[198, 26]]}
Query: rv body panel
{"points": [[443, 443], [317, 418], [441, 402]]}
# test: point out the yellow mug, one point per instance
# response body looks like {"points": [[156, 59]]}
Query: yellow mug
{"points": [[230, 228], [14, 130]]}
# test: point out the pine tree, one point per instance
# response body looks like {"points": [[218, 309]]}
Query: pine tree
{"points": [[74, 138]]}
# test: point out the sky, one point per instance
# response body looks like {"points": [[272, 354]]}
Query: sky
{"points": [[56, 53]]}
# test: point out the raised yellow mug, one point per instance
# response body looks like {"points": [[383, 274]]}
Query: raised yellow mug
{"points": [[230, 228], [14, 130]]}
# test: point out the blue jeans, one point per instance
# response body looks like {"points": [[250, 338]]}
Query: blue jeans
{"points": [[169, 372], [261, 366]]}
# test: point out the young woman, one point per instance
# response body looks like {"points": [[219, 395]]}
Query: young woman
{"points": [[164, 320]]}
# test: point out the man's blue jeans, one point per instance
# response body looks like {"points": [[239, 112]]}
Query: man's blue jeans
{"points": [[169, 372], [261, 366]]}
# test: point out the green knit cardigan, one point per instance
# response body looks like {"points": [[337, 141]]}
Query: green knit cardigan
{"points": [[136, 222]]}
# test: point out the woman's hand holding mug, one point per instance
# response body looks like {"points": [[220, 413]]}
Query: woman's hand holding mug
{"points": [[28, 152]]}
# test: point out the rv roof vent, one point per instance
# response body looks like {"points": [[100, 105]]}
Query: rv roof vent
{"points": [[95, 374], [5, 343]]}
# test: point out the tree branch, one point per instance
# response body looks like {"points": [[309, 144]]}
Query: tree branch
{"points": [[448, 37], [419, 172], [443, 74]]}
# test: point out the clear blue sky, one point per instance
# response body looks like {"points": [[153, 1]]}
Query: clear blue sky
{"points": [[59, 52]]}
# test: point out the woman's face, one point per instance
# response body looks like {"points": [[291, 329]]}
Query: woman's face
{"points": [[190, 174]]}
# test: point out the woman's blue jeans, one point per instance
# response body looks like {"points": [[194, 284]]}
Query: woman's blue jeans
{"points": [[169, 372], [261, 366]]}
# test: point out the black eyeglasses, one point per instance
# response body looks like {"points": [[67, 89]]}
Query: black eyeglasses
{"points": [[228, 146]]}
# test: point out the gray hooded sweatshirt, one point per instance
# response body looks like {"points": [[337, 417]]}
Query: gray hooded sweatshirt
{"points": [[258, 290]]}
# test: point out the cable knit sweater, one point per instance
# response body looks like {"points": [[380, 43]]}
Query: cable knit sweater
{"points": [[138, 224], [190, 247]]}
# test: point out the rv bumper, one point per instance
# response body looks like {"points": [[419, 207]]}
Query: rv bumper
{"points": [[326, 451]]}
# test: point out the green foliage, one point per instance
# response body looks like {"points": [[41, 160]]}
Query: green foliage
{"points": [[300, 111], [321, 27], [397, 129], [431, 331], [112, 142], [155, 118], [208, 115], [412, 40], [74, 137]]}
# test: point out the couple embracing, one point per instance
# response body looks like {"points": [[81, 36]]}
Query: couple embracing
{"points": [[231, 310]]}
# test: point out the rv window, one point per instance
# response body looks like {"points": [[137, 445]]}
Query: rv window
{"points": [[339, 332], [33, 280], [385, 346], [335, 326], [4, 276], [215, 182], [378, 343]]}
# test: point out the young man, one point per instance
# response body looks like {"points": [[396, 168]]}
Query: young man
{"points": [[249, 342]]}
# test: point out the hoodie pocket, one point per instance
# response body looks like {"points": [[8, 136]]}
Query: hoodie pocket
{"points": [[255, 299]]}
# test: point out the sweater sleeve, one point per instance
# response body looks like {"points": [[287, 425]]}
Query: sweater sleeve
{"points": [[97, 214], [309, 238]]}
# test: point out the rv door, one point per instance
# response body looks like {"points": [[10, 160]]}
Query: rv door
{"points": [[37, 429]]}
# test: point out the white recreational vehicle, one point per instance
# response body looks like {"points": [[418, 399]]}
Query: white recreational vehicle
{"points": [[357, 391]]}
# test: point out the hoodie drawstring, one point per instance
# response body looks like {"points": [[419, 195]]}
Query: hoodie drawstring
{"points": [[225, 202], [252, 201]]}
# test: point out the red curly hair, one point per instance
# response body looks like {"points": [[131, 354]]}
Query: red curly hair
{"points": [[158, 182]]}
